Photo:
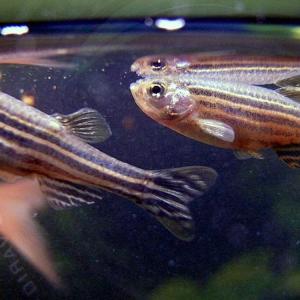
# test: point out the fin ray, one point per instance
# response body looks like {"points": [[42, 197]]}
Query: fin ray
{"points": [[217, 129], [62, 194], [172, 191], [87, 124]]}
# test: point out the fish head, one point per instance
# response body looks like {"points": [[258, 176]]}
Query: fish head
{"points": [[161, 99], [159, 65]]}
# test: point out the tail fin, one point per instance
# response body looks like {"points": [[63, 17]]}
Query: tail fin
{"points": [[169, 194]]}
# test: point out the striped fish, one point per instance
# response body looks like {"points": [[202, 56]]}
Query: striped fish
{"points": [[237, 116], [52, 155], [257, 70]]}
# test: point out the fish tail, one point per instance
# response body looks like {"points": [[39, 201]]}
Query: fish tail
{"points": [[169, 193]]}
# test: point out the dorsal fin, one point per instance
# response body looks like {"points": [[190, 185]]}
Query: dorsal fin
{"points": [[87, 124]]}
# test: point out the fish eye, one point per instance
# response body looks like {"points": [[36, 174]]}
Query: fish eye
{"points": [[157, 65], [157, 90]]}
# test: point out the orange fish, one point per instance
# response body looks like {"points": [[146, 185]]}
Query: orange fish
{"points": [[231, 115]]}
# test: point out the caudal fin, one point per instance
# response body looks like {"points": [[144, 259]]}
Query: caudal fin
{"points": [[169, 193]]}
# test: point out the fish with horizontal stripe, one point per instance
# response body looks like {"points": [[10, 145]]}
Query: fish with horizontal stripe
{"points": [[54, 153], [250, 69], [225, 114]]}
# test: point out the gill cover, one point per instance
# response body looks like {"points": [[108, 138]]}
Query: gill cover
{"points": [[171, 100]]}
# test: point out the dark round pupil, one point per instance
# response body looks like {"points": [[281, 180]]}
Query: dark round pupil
{"points": [[157, 65], [157, 90]]}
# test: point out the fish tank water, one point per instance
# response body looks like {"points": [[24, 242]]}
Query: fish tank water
{"points": [[247, 226]]}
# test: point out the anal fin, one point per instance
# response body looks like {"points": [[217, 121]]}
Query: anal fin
{"points": [[63, 194], [242, 155], [290, 155]]}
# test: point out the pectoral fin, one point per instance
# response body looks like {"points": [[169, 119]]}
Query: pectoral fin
{"points": [[292, 92], [217, 129], [87, 124], [18, 201], [247, 154], [290, 155], [63, 194]]}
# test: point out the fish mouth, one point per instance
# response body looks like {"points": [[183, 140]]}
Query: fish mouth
{"points": [[134, 67], [135, 86]]}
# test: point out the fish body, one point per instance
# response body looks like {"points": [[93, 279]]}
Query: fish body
{"points": [[224, 114], [250, 69], [34, 142], [54, 151]]}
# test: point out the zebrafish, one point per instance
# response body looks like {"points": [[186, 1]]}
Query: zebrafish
{"points": [[230, 115], [257, 70], [48, 159]]}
